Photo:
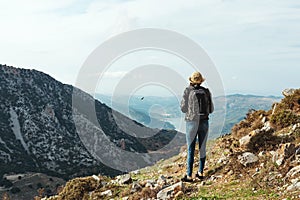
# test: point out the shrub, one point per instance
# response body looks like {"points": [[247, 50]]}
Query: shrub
{"points": [[15, 190], [284, 118], [6, 183]]}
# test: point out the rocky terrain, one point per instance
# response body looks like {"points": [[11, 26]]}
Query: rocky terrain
{"points": [[259, 159], [38, 132]]}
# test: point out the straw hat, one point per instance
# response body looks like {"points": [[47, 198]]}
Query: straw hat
{"points": [[196, 78]]}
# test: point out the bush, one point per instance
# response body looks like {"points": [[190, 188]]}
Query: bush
{"points": [[15, 190], [5, 183], [284, 118]]}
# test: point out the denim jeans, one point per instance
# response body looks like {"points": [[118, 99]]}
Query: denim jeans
{"points": [[194, 129]]}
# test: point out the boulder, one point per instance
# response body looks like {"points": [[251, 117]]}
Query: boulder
{"points": [[244, 141], [168, 192], [247, 158]]}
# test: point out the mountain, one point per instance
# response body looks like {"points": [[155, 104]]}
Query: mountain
{"points": [[154, 111], [259, 159], [40, 124], [237, 106]]}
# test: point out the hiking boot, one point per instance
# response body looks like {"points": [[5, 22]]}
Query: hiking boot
{"points": [[187, 179], [200, 176]]}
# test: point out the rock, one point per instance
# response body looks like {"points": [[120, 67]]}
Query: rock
{"points": [[135, 187], [222, 160], [294, 186], [166, 193], [295, 126], [124, 179], [261, 154], [136, 172], [103, 183], [178, 194], [288, 92], [279, 161], [143, 183], [267, 127], [286, 150], [150, 184], [244, 141], [293, 172], [264, 119], [230, 172], [184, 154], [162, 180], [247, 158], [214, 177], [106, 193], [275, 157], [96, 178]]}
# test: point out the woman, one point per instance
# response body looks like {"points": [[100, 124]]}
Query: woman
{"points": [[197, 105]]}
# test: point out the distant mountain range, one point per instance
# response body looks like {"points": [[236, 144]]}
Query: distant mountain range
{"points": [[38, 132], [164, 112]]}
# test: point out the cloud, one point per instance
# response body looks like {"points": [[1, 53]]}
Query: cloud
{"points": [[57, 36]]}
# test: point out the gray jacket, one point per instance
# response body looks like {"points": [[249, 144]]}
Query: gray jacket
{"points": [[187, 105]]}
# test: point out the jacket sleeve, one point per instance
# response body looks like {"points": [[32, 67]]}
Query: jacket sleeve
{"points": [[211, 108], [184, 101]]}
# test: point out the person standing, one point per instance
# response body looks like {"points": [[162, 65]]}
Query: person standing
{"points": [[197, 105]]}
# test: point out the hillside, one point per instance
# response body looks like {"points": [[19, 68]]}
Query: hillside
{"points": [[40, 125], [259, 159]]}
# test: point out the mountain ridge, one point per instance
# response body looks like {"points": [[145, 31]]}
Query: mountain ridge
{"points": [[38, 133]]}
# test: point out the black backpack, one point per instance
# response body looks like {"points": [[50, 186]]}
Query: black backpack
{"points": [[199, 101]]}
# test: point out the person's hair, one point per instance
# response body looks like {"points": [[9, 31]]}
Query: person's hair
{"points": [[194, 84]]}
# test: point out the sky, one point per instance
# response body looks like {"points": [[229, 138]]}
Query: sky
{"points": [[254, 44]]}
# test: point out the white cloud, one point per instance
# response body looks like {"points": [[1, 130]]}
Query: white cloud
{"points": [[57, 36]]}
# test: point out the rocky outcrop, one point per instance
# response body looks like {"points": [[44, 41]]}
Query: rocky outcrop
{"points": [[288, 92]]}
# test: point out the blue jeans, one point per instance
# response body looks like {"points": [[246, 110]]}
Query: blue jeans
{"points": [[194, 129]]}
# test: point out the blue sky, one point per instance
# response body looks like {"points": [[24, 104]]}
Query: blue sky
{"points": [[254, 44]]}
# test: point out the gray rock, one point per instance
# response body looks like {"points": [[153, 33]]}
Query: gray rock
{"points": [[244, 141], [167, 193], [247, 158], [267, 127], [135, 187], [261, 154], [293, 172], [277, 158], [294, 186], [124, 179], [106, 193], [286, 150]]}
